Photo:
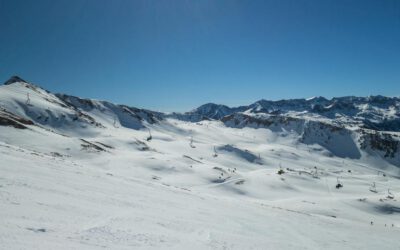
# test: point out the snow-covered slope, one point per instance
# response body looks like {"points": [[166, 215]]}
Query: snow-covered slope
{"points": [[341, 140], [124, 178], [68, 114]]}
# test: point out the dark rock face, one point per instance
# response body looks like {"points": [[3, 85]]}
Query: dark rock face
{"points": [[14, 79], [386, 143], [384, 125], [274, 122], [9, 119]]}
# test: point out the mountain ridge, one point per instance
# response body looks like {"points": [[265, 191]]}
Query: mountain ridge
{"points": [[314, 104]]}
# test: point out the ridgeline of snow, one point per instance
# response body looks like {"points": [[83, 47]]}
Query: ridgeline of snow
{"points": [[373, 112], [85, 174]]}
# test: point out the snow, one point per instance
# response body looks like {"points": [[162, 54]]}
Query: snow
{"points": [[109, 187]]}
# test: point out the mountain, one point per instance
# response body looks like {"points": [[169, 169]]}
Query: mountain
{"points": [[68, 113], [373, 112], [14, 79], [209, 111], [79, 173]]}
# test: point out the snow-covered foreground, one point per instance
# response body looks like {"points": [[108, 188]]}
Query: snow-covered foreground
{"points": [[116, 190], [85, 174]]}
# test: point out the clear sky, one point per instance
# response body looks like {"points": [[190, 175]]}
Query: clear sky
{"points": [[175, 55]]}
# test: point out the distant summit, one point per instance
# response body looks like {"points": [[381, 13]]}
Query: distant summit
{"points": [[14, 79]]}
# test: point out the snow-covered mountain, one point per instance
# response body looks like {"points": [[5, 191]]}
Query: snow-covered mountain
{"points": [[373, 112], [305, 173], [68, 113], [366, 121]]}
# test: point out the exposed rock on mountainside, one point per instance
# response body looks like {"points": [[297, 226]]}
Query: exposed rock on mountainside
{"points": [[9, 119], [387, 144], [67, 113], [14, 79], [374, 112]]}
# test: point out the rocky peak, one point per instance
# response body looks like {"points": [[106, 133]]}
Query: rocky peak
{"points": [[14, 79]]}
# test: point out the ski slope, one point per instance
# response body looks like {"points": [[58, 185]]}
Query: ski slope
{"points": [[99, 183]]}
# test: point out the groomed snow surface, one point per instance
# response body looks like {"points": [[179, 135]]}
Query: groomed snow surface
{"points": [[169, 193], [190, 186]]}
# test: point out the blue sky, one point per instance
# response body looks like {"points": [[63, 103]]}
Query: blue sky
{"points": [[176, 55]]}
